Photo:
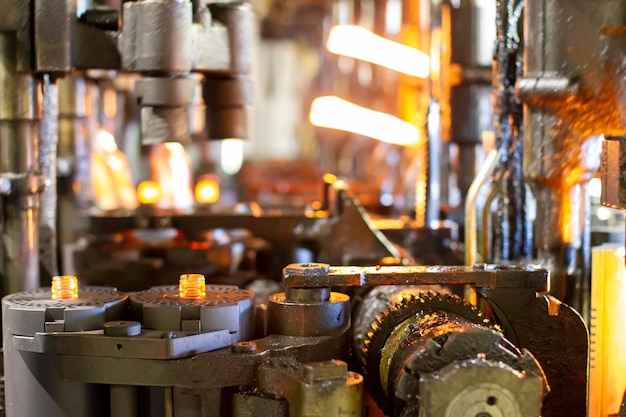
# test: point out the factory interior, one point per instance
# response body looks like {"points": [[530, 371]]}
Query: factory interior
{"points": [[313, 208]]}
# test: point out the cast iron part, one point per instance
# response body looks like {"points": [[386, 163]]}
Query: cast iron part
{"points": [[553, 332], [385, 324]]}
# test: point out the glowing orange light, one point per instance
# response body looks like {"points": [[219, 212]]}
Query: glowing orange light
{"points": [[148, 192], [112, 180], [360, 43], [191, 286], [64, 287], [335, 113], [170, 168], [207, 191]]}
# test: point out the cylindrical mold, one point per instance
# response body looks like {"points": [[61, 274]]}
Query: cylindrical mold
{"points": [[32, 374], [165, 104], [223, 307], [163, 36], [226, 107]]}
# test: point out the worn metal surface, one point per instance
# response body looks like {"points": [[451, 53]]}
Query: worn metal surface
{"points": [[487, 276], [508, 231], [150, 344], [236, 369], [396, 331], [557, 337], [34, 388], [52, 36], [48, 144], [156, 36], [19, 151], [573, 89], [478, 387], [319, 389]]}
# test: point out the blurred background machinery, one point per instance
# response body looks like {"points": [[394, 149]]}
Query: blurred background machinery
{"points": [[407, 231]]}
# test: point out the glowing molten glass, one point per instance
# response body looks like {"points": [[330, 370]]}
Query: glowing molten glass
{"points": [[360, 43], [148, 192], [335, 113], [191, 286], [111, 176], [171, 170], [207, 190], [64, 287]]}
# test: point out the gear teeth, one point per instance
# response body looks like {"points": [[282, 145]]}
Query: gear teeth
{"points": [[395, 313]]}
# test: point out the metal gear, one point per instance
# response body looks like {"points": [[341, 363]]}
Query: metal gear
{"points": [[423, 338], [405, 306]]}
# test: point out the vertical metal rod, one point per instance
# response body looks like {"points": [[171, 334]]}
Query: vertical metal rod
{"points": [[169, 402], [48, 140], [471, 215], [123, 401], [19, 155]]}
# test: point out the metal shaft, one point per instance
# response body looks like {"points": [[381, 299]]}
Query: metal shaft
{"points": [[48, 141], [18, 154]]}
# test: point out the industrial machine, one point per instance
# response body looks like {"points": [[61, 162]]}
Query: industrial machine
{"points": [[330, 304]]}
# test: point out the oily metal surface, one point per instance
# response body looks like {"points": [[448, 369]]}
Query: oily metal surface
{"points": [[490, 276]]}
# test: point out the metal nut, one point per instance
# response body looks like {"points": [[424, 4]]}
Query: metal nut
{"points": [[243, 347]]}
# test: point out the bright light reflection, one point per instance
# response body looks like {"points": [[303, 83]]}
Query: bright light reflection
{"points": [[207, 190], [335, 113], [360, 43], [148, 192], [231, 156]]}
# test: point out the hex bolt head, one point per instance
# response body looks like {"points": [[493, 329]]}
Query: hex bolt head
{"points": [[121, 328]]}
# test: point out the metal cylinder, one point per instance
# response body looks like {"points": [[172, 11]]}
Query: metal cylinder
{"points": [[223, 307], [32, 373], [162, 31], [48, 142], [19, 110], [308, 317]]}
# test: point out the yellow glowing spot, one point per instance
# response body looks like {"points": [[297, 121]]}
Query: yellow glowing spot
{"points": [[64, 287], [335, 113], [148, 192], [207, 191], [191, 286], [329, 178], [360, 43]]}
